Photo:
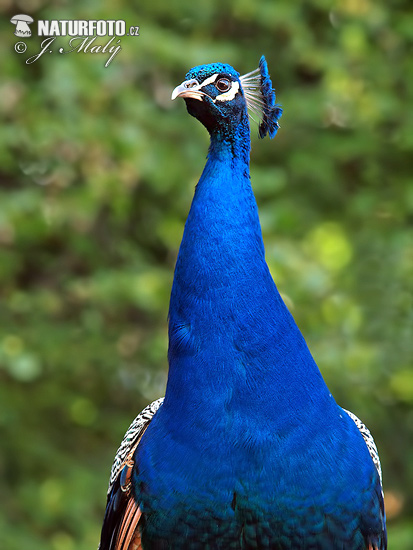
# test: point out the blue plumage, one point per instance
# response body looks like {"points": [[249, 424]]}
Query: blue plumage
{"points": [[272, 112], [249, 450], [260, 97]]}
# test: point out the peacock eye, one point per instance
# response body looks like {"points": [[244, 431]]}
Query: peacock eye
{"points": [[223, 84]]}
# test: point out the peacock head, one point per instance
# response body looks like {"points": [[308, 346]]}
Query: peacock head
{"points": [[219, 97]]}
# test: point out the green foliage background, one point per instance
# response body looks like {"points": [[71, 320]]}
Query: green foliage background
{"points": [[97, 170]]}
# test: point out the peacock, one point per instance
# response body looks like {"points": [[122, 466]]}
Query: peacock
{"points": [[248, 449]]}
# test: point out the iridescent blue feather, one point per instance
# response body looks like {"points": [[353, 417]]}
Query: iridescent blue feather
{"points": [[260, 98], [272, 111]]}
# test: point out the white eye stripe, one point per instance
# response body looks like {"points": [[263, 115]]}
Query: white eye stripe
{"points": [[210, 80], [228, 96]]}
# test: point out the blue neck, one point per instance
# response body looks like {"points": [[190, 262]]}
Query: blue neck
{"points": [[232, 342]]}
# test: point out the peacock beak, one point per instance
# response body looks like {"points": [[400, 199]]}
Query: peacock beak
{"points": [[189, 88]]}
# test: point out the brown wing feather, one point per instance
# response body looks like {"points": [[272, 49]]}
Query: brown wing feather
{"points": [[136, 543], [120, 530], [128, 532]]}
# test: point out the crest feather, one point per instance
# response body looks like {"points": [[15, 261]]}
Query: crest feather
{"points": [[260, 98]]}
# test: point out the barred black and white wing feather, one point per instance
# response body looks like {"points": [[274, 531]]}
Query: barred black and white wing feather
{"points": [[119, 531], [368, 438], [131, 438]]}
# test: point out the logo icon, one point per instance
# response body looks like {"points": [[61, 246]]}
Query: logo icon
{"points": [[22, 23]]}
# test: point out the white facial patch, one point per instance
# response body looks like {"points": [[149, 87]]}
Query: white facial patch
{"points": [[191, 88], [210, 80], [228, 96]]}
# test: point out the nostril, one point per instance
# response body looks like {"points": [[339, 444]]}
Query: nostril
{"points": [[191, 83]]}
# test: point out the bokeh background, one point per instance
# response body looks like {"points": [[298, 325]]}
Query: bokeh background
{"points": [[97, 171]]}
